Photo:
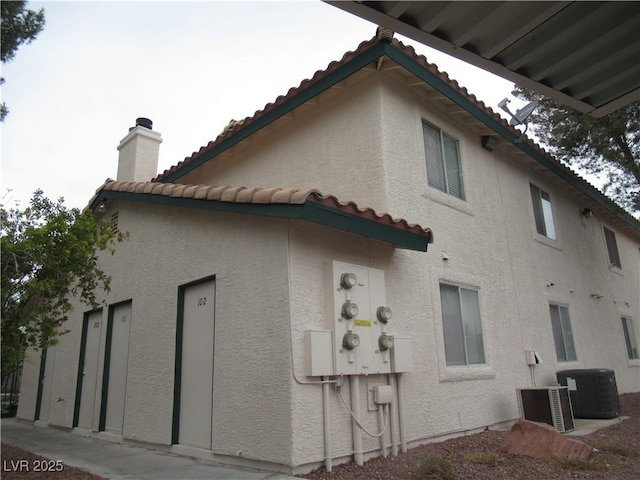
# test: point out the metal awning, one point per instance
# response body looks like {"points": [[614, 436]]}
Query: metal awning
{"points": [[583, 54]]}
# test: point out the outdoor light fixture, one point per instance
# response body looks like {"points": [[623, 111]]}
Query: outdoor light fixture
{"points": [[348, 280], [587, 213], [350, 340], [489, 142], [349, 310], [102, 206], [385, 342], [384, 314]]}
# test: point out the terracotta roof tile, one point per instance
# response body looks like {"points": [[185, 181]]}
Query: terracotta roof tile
{"points": [[257, 196]]}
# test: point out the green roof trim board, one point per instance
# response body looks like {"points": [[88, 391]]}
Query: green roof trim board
{"points": [[297, 204]]}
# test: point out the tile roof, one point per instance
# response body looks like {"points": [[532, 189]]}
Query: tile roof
{"points": [[368, 51], [342, 215]]}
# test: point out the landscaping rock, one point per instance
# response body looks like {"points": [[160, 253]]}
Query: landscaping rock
{"points": [[539, 440]]}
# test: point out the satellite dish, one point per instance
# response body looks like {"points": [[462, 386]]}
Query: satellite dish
{"points": [[524, 113], [520, 116]]}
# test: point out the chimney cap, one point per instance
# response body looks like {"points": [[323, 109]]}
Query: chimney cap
{"points": [[143, 122]]}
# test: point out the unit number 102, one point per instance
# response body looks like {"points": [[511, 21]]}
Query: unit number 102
{"points": [[202, 301]]}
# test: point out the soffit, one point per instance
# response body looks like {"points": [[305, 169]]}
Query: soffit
{"points": [[583, 54]]}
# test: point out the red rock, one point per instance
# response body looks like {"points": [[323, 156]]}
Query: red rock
{"points": [[540, 440]]}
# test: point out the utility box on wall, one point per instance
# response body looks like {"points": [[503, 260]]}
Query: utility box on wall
{"points": [[358, 314]]}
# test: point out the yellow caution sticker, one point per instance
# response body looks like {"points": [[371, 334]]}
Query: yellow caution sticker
{"points": [[362, 323]]}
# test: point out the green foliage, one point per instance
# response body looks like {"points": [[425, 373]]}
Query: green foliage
{"points": [[18, 26], [491, 459], [436, 468], [49, 255], [608, 147]]}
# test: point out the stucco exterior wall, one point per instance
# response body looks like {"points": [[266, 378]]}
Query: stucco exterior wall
{"points": [[365, 144], [170, 247], [333, 146]]}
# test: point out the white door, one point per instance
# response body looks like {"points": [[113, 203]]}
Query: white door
{"points": [[118, 361], [47, 383], [90, 370], [196, 388]]}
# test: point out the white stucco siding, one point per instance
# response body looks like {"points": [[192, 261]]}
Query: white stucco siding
{"points": [[311, 247], [333, 145], [169, 247]]}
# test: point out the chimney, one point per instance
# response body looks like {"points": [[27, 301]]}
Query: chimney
{"points": [[138, 159]]}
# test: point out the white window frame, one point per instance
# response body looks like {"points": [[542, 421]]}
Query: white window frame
{"points": [[562, 333], [442, 169], [612, 248], [457, 328], [543, 212], [630, 338]]}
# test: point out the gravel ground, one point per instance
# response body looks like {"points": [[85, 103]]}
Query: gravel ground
{"points": [[478, 457]]}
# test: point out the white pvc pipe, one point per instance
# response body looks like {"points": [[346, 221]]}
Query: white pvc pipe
{"points": [[381, 425], [327, 427], [403, 440], [358, 456], [393, 416]]}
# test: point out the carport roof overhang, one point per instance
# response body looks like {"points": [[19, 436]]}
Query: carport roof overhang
{"points": [[585, 55]]}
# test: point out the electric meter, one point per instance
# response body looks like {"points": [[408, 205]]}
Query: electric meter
{"points": [[384, 314], [349, 310], [350, 340], [348, 280], [385, 342]]}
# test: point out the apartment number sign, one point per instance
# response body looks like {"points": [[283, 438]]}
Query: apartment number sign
{"points": [[202, 301]]}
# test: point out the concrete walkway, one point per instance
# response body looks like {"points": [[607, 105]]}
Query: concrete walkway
{"points": [[120, 461]]}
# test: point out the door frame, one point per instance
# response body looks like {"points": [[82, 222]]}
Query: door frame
{"points": [[177, 384], [83, 351], [107, 361]]}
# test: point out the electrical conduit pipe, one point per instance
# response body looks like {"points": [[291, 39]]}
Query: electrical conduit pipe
{"points": [[354, 385], [327, 427], [393, 415]]}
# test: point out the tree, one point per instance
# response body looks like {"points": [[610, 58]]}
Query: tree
{"points": [[608, 147], [49, 255], [18, 26]]}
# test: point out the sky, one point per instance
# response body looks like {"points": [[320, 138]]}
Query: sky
{"points": [[190, 67]]}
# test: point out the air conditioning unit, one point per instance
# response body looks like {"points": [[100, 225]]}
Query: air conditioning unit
{"points": [[593, 392], [550, 405]]}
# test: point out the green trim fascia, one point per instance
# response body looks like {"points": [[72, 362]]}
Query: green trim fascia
{"points": [[330, 217], [309, 211], [326, 82], [509, 135]]}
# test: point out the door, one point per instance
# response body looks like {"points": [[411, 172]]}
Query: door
{"points": [[43, 399], [88, 370], [114, 380], [194, 367]]}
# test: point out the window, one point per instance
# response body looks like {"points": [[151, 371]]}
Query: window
{"points": [[630, 338], [562, 335], [444, 171], [542, 212], [612, 248], [461, 325]]}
